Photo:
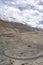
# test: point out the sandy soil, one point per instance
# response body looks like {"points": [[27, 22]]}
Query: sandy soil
{"points": [[15, 35]]}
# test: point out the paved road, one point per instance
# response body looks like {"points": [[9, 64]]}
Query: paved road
{"points": [[22, 58]]}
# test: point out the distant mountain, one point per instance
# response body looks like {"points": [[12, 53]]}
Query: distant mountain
{"points": [[21, 27]]}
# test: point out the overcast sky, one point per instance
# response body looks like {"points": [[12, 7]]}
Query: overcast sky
{"points": [[29, 12]]}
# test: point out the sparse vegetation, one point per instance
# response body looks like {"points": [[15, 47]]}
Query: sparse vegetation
{"points": [[29, 46]]}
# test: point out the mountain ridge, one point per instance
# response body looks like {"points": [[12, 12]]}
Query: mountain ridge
{"points": [[20, 26]]}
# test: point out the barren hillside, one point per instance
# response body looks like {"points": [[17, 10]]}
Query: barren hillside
{"points": [[17, 35]]}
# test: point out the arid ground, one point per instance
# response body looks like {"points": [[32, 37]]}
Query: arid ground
{"points": [[17, 35]]}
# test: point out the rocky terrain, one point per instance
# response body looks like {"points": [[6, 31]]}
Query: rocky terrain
{"points": [[17, 35]]}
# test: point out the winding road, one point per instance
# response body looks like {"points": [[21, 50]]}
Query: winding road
{"points": [[21, 58]]}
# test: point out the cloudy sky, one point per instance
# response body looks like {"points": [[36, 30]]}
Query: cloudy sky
{"points": [[29, 12]]}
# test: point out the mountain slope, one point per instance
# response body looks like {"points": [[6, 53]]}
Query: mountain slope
{"points": [[19, 26], [19, 33]]}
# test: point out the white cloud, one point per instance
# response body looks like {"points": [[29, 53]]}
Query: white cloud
{"points": [[40, 26], [29, 12]]}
